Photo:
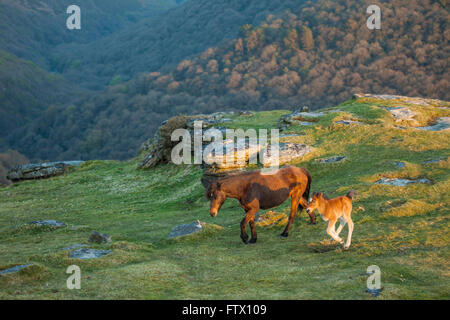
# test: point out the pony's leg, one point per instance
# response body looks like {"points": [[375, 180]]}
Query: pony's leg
{"points": [[341, 225], [253, 229], [302, 205], [244, 235], [331, 231], [350, 231], [249, 217], [294, 205]]}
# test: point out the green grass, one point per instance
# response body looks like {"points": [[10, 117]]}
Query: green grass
{"points": [[403, 230]]}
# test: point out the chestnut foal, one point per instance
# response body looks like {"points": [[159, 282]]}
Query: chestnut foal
{"points": [[255, 191], [331, 210]]}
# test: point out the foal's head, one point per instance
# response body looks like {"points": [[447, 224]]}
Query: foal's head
{"points": [[217, 197], [317, 199]]}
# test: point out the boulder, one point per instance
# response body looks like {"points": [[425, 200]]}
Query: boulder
{"points": [[348, 122], [15, 268], [52, 223], [402, 114], [99, 237], [40, 170], [185, 229], [233, 157], [332, 159], [400, 182], [86, 253], [287, 153], [299, 117], [400, 164]]}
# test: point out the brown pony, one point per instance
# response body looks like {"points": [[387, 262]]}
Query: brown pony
{"points": [[255, 191], [331, 210]]}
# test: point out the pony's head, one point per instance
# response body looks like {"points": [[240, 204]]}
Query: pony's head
{"points": [[316, 200], [216, 196]]}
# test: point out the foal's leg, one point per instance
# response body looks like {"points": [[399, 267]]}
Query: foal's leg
{"points": [[350, 231], [294, 205], [341, 225], [331, 231]]}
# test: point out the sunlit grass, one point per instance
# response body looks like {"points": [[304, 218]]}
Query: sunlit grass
{"points": [[403, 230]]}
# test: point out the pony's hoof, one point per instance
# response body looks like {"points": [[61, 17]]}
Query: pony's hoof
{"points": [[252, 240], [284, 235], [311, 223], [244, 239], [346, 248]]}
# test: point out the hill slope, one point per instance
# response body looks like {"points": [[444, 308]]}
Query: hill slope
{"points": [[26, 91], [403, 230], [31, 29]]}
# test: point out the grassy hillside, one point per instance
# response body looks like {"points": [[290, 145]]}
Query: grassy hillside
{"points": [[403, 230]]}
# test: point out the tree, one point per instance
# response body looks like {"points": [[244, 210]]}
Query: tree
{"points": [[307, 39]]}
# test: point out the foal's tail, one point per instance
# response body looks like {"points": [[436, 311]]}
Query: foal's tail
{"points": [[351, 194]]}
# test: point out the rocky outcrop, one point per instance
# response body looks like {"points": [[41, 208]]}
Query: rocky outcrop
{"points": [[402, 114], [40, 170], [157, 150], [288, 152]]}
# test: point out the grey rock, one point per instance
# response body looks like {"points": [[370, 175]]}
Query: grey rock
{"points": [[441, 124], [15, 269], [40, 170], [86, 253], [348, 122], [52, 223], [400, 164], [333, 159], [401, 113], [185, 229], [298, 118], [287, 152], [400, 182], [99, 237], [432, 161]]}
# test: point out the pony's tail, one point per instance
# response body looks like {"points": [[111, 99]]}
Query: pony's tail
{"points": [[351, 194], [308, 186]]}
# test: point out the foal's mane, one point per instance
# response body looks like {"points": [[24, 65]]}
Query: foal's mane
{"points": [[321, 194]]}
